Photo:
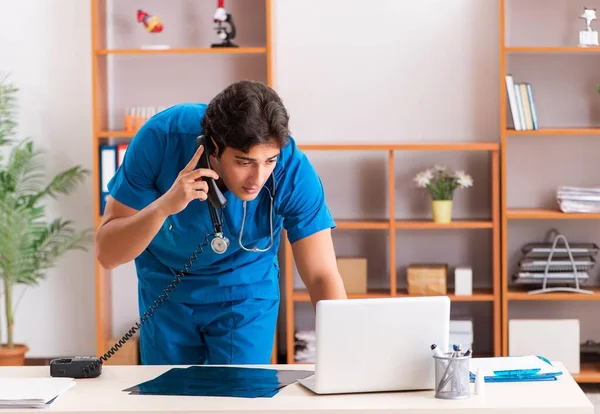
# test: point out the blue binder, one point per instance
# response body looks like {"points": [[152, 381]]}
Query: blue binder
{"points": [[108, 167]]}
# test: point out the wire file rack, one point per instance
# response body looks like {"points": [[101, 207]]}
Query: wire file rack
{"points": [[553, 263]]}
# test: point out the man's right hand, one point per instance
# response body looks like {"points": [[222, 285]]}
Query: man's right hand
{"points": [[188, 186]]}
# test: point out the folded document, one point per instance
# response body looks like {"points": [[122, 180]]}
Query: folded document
{"points": [[514, 369], [31, 392]]}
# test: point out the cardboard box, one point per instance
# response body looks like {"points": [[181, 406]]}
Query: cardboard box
{"points": [[128, 354], [427, 279], [354, 273]]}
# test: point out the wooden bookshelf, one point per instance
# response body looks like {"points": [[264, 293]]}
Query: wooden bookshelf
{"points": [[513, 294], [547, 214], [479, 295], [555, 131], [101, 51], [455, 224], [549, 49], [363, 225], [590, 372], [177, 51], [394, 225]]}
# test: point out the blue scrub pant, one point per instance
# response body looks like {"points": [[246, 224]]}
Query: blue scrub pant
{"points": [[236, 332]]}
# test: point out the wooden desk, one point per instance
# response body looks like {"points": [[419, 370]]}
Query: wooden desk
{"points": [[104, 395]]}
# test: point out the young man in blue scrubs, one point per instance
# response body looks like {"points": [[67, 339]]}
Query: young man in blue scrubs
{"points": [[225, 307]]}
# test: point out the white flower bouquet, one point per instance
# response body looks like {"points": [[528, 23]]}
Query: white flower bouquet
{"points": [[442, 182]]}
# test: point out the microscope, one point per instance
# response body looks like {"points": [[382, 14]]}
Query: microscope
{"points": [[222, 18]]}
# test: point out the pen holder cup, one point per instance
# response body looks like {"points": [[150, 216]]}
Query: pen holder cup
{"points": [[452, 377]]}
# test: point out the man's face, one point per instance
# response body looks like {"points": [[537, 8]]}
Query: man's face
{"points": [[245, 174]]}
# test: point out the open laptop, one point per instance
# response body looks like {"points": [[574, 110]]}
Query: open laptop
{"points": [[379, 344]]}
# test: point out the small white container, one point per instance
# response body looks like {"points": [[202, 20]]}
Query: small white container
{"points": [[463, 281]]}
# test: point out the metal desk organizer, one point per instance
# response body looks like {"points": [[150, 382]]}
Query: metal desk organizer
{"points": [[452, 376], [538, 263]]}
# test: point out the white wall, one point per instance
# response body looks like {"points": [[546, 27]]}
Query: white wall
{"points": [[389, 71], [405, 71], [434, 65], [46, 47]]}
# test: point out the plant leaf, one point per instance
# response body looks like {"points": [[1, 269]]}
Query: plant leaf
{"points": [[63, 183], [8, 101]]}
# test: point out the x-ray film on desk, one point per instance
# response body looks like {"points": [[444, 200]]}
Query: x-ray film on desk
{"points": [[219, 381]]}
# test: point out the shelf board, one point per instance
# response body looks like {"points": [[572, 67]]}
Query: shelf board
{"points": [[514, 294], [455, 224], [551, 49], [116, 134], [456, 146], [556, 131], [545, 214], [589, 372], [362, 224], [175, 51], [417, 146], [356, 224], [301, 295], [479, 295]]}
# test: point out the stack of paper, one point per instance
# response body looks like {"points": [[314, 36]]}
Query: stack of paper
{"points": [[578, 199], [31, 392], [514, 369]]}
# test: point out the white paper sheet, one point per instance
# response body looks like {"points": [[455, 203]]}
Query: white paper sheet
{"points": [[489, 365], [31, 392]]}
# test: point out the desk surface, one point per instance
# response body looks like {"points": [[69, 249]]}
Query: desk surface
{"points": [[104, 395]]}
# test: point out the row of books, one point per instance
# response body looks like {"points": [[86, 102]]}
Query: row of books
{"points": [[137, 116], [111, 157], [522, 107]]}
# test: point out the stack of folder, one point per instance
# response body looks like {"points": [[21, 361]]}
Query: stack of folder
{"points": [[514, 369]]}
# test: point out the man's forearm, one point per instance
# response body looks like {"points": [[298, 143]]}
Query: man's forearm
{"points": [[327, 288], [123, 239]]}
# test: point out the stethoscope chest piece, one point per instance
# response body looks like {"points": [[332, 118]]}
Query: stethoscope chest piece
{"points": [[219, 244]]}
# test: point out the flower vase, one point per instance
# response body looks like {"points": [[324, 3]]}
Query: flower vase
{"points": [[442, 211]]}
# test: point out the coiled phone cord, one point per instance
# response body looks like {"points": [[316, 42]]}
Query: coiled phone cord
{"points": [[152, 308]]}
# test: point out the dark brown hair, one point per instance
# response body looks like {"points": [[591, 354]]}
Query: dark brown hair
{"points": [[245, 114]]}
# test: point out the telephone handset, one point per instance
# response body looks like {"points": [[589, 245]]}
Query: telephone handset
{"points": [[91, 366], [215, 196], [216, 199]]}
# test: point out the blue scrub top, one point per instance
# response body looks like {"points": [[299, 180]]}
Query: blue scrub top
{"points": [[154, 158]]}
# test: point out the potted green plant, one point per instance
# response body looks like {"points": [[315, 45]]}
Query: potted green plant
{"points": [[29, 243], [441, 183]]}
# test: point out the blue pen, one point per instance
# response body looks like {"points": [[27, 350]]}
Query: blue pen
{"points": [[517, 372], [456, 350]]}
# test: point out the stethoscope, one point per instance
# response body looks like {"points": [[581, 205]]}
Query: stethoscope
{"points": [[220, 243]]}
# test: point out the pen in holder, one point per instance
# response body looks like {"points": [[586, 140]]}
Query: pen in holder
{"points": [[452, 375]]}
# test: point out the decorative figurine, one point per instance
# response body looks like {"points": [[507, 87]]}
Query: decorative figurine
{"points": [[221, 16], [588, 37], [151, 23]]}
